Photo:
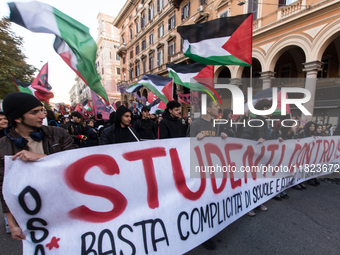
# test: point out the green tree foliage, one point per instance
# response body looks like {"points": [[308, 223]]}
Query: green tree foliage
{"points": [[12, 60]]}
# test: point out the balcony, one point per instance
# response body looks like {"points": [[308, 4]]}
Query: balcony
{"points": [[121, 50]]}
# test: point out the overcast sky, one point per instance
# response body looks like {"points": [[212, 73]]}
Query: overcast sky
{"points": [[38, 48]]}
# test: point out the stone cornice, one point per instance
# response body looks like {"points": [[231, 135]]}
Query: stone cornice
{"points": [[154, 22], [120, 17]]}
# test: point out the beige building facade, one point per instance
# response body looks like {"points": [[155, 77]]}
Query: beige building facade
{"points": [[295, 44], [108, 61]]}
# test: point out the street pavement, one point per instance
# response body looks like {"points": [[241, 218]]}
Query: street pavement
{"points": [[308, 222]]}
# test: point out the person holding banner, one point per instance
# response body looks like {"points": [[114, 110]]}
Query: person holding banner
{"points": [[201, 128], [259, 133], [119, 132], [27, 139]]}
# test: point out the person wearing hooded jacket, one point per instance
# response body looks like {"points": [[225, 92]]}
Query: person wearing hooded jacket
{"points": [[226, 128], [144, 126], [171, 125], [258, 133], [119, 132]]}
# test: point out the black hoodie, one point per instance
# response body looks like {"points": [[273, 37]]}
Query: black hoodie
{"points": [[170, 127], [115, 133]]}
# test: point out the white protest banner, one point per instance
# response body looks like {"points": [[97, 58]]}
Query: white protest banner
{"points": [[139, 198]]}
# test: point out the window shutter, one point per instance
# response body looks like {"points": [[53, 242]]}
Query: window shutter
{"points": [[182, 13]]}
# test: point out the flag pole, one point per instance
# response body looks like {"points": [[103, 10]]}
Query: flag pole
{"points": [[251, 77]]}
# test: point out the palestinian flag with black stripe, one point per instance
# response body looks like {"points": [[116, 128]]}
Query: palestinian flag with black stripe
{"points": [[73, 41], [195, 76], [160, 86], [223, 41]]}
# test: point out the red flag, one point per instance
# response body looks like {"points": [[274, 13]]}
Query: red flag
{"points": [[99, 106], [42, 90], [190, 98], [42, 78], [151, 97], [77, 109], [114, 106], [167, 90]]}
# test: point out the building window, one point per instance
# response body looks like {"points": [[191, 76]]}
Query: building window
{"points": [[137, 27], [130, 17], [131, 73], [224, 14], [137, 49], [124, 76], [137, 70], [117, 57], [151, 13], [142, 20], [171, 24], [123, 40], [160, 57], [172, 48], [160, 31], [144, 65], [123, 27], [131, 54], [102, 70], [285, 2], [110, 56], [131, 34], [186, 11], [118, 70], [150, 63], [143, 44], [159, 5], [252, 8], [151, 38], [203, 2], [124, 60]]}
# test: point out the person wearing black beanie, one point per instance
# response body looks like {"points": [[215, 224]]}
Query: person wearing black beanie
{"points": [[27, 139]]}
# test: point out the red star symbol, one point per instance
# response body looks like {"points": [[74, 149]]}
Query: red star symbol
{"points": [[53, 243]]}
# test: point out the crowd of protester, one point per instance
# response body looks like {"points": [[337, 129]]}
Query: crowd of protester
{"points": [[126, 125]]}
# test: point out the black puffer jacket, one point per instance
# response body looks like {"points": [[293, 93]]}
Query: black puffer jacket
{"points": [[92, 136], [145, 128]]}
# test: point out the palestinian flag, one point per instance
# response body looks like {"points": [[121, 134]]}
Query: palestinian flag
{"points": [[155, 83], [223, 41], [196, 76], [38, 91], [73, 41], [155, 104]]}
